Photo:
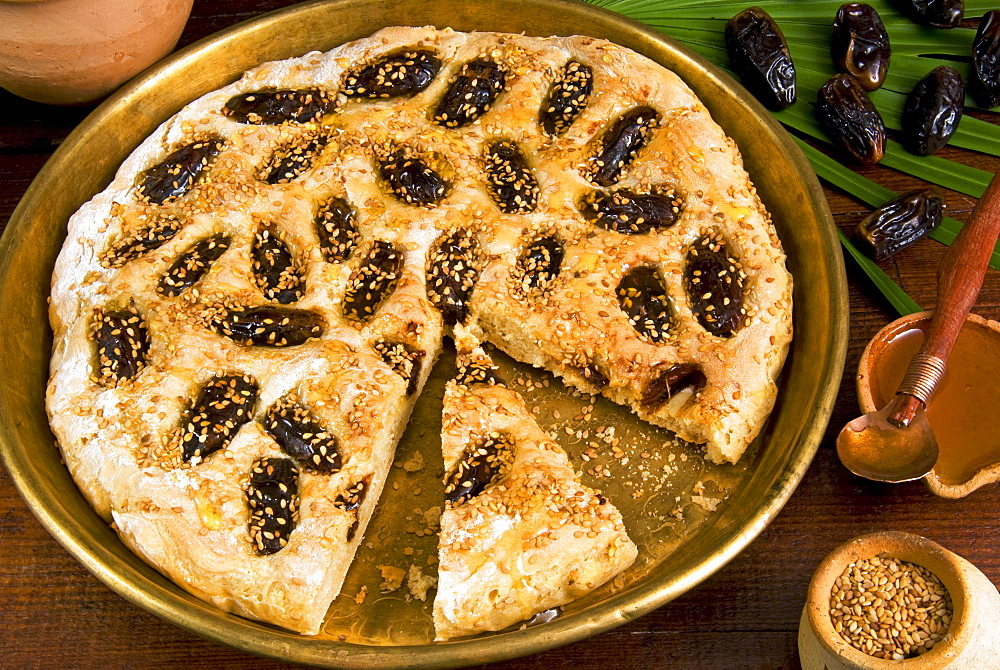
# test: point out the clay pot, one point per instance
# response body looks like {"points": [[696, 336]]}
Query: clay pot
{"points": [[971, 641], [69, 52]]}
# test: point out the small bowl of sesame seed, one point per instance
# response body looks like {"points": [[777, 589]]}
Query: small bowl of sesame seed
{"points": [[896, 600]]}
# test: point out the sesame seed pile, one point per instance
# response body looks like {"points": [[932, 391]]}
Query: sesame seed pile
{"points": [[890, 609]]}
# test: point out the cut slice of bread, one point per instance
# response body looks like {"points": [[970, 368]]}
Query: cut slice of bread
{"points": [[519, 533]]}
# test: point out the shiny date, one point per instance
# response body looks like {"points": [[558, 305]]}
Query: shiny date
{"points": [[860, 44], [932, 111], [850, 119], [395, 75], [268, 326], [759, 54], [901, 222], [276, 106]]}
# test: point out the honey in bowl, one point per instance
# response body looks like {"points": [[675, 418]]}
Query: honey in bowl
{"points": [[962, 412]]}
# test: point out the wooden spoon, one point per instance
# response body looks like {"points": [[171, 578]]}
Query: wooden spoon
{"points": [[896, 443]]}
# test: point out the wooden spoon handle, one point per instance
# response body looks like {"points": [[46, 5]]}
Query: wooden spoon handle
{"points": [[961, 273], [960, 277]]}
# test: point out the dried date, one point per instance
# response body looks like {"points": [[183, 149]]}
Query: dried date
{"points": [[482, 465], [667, 383], [861, 44], [338, 234], [122, 346], [352, 497], [567, 98], [225, 403], [932, 111], [509, 180], [714, 281], [177, 174], [275, 271], [631, 213], [759, 53], [985, 83], [132, 246], [471, 93], [621, 143], [453, 268], [935, 13], [192, 265], [269, 326], [299, 434], [350, 500], [901, 222], [405, 361], [644, 301], [271, 106], [272, 494], [372, 283], [850, 119], [292, 160], [396, 75], [539, 264], [412, 180], [594, 375]]}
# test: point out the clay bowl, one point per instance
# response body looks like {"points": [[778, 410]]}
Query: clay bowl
{"points": [[964, 464], [69, 52], [971, 640]]}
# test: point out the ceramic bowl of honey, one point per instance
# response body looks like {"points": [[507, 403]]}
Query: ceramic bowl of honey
{"points": [[962, 412]]}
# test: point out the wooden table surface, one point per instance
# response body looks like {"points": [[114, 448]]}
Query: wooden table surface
{"points": [[55, 614]]}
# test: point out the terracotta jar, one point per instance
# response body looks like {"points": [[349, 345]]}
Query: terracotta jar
{"points": [[971, 642], [75, 51]]}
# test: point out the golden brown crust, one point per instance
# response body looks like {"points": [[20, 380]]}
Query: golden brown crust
{"points": [[188, 517]]}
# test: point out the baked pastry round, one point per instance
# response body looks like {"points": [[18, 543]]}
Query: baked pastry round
{"points": [[244, 317]]}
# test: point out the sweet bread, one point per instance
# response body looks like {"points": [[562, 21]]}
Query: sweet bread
{"points": [[245, 315]]}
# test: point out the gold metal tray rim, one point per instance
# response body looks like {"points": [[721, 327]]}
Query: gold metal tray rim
{"points": [[87, 539]]}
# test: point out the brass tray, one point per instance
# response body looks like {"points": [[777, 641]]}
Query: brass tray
{"points": [[681, 543]]}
